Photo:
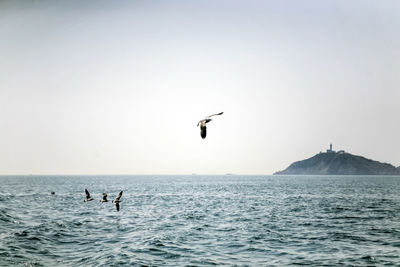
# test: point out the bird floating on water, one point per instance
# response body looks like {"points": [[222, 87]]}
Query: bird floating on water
{"points": [[117, 200], [203, 122], [88, 198], [104, 198]]}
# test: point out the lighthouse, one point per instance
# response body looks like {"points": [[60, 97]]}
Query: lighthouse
{"points": [[330, 149]]}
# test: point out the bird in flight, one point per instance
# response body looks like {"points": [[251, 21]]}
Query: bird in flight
{"points": [[203, 122], [88, 198], [117, 200], [104, 198]]}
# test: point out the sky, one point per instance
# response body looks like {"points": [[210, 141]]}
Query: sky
{"points": [[117, 87]]}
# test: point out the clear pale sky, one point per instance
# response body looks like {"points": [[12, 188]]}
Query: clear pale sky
{"points": [[117, 87]]}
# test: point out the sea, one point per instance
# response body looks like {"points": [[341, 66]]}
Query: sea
{"points": [[196, 220]]}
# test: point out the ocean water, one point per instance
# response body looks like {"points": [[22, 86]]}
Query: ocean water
{"points": [[200, 221]]}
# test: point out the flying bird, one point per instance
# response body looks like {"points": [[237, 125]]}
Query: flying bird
{"points": [[203, 122], [88, 198], [117, 200], [104, 198]]}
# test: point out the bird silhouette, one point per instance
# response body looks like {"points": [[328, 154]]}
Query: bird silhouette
{"points": [[203, 122], [88, 198], [104, 198], [117, 200]]}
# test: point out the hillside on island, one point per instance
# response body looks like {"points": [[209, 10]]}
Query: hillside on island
{"points": [[340, 163]]}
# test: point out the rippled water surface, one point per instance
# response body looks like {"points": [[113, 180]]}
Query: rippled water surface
{"points": [[200, 221]]}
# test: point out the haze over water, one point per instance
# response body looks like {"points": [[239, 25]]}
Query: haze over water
{"points": [[100, 87], [200, 220]]}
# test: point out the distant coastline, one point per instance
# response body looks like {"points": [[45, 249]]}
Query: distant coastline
{"points": [[339, 163]]}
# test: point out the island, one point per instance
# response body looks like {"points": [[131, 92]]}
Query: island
{"points": [[339, 163]]}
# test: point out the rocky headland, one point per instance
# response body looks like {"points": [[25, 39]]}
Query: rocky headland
{"points": [[340, 163]]}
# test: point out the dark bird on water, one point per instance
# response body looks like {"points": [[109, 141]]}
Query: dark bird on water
{"points": [[88, 198], [104, 198], [117, 200], [202, 123]]}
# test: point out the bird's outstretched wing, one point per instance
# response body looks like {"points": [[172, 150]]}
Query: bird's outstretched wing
{"points": [[216, 114], [87, 194], [207, 118], [118, 197], [117, 206]]}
